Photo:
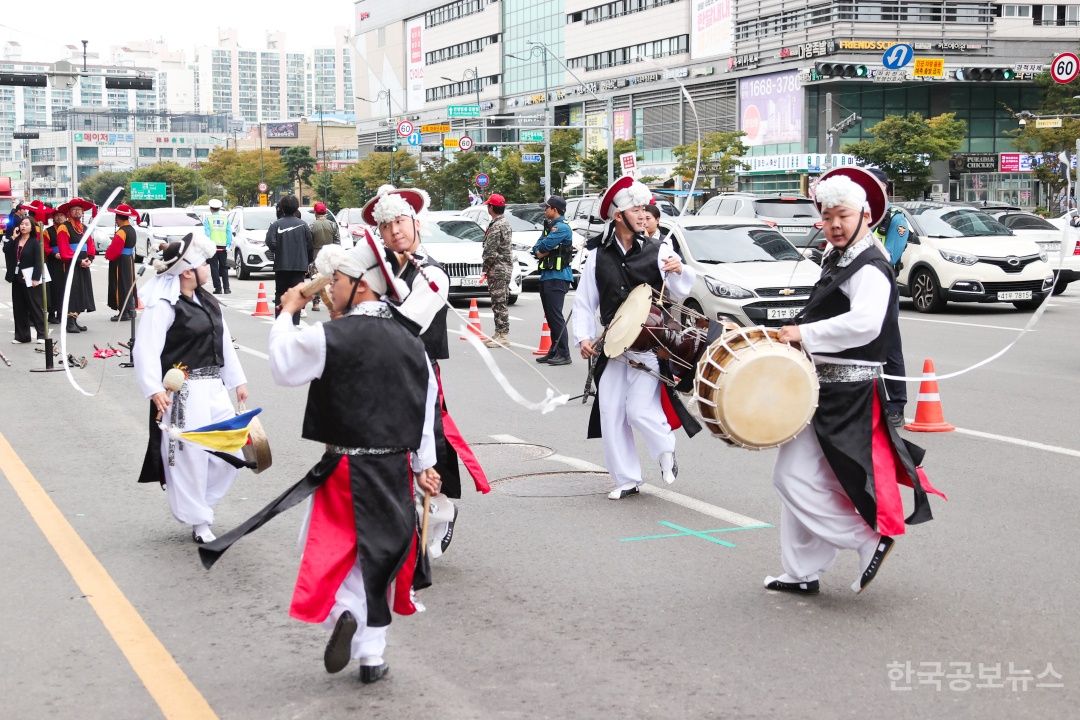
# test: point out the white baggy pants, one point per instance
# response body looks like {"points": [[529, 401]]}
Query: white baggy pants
{"points": [[630, 401], [196, 480], [817, 518]]}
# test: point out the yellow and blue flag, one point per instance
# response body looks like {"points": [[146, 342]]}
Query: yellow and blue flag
{"points": [[226, 436]]}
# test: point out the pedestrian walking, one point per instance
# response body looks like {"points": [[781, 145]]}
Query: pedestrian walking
{"points": [[289, 238], [554, 250], [217, 228], [498, 267], [324, 231], [183, 327], [371, 405]]}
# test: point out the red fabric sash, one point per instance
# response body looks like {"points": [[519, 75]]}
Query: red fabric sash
{"points": [[453, 436], [402, 600], [669, 409]]}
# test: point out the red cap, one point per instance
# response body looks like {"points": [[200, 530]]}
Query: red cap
{"points": [[320, 208], [495, 199]]}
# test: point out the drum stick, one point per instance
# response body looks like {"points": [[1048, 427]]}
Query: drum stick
{"points": [[315, 286], [424, 523]]}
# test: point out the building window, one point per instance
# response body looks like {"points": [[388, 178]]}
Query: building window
{"points": [[1016, 11], [86, 153], [165, 152], [622, 56], [147, 152]]}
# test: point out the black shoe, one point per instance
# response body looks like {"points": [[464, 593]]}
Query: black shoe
{"points": [[545, 359], [114, 318], [217, 291], [127, 318], [449, 532], [803, 588], [884, 547], [895, 417], [72, 327], [82, 328], [54, 321], [339, 646], [373, 673], [558, 361], [228, 291]]}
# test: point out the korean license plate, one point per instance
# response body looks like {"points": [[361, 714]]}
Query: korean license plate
{"points": [[796, 230], [1050, 246], [1015, 295], [782, 313], [472, 282]]}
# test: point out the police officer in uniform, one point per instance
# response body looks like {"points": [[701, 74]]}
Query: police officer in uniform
{"points": [[217, 228]]}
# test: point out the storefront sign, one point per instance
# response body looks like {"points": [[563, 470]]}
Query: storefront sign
{"points": [[104, 138], [771, 108], [813, 49], [956, 46], [975, 162], [793, 163], [740, 62], [415, 65], [712, 31], [929, 67], [282, 130], [1014, 162]]}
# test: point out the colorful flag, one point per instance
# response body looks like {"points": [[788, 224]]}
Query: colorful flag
{"points": [[227, 436]]}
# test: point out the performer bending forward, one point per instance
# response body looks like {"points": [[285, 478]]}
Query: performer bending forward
{"points": [[371, 402], [183, 327], [629, 398], [838, 480]]}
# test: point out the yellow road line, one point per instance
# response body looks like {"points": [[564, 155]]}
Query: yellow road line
{"points": [[167, 684]]}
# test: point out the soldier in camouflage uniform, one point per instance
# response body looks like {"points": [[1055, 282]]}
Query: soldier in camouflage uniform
{"points": [[498, 266]]}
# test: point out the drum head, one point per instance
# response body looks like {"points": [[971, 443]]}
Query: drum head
{"points": [[625, 327], [767, 398]]}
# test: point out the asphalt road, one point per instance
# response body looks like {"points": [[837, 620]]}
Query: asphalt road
{"points": [[549, 604]]}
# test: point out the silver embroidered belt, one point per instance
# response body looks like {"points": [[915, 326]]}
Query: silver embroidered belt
{"points": [[835, 373], [339, 450], [204, 373]]}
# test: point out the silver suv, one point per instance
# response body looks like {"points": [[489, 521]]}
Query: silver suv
{"points": [[796, 217]]}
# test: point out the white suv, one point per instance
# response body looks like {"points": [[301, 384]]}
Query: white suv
{"points": [[960, 254], [249, 225]]}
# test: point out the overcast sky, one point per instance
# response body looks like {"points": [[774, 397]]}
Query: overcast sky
{"points": [[184, 25]]}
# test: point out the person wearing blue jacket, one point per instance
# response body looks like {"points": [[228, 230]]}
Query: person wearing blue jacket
{"points": [[554, 250]]}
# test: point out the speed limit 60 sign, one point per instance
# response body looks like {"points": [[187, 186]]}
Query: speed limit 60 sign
{"points": [[1065, 67], [404, 128]]}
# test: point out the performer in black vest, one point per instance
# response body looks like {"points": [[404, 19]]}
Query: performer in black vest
{"points": [[395, 212], [838, 480], [182, 327], [121, 257], [628, 398], [371, 402]]}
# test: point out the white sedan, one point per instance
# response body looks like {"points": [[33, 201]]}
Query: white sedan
{"points": [[457, 243], [1048, 235], [747, 272]]}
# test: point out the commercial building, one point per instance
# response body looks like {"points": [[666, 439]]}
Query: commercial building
{"points": [[676, 69]]}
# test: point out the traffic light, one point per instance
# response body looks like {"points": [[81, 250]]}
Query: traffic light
{"points": [[25, 79], [840, 70], [125, 82], [985, 74], [385, 148], [483, 148], [431, 148]]}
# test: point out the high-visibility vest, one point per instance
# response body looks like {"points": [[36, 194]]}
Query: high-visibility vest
{"points": [[218, 223]]}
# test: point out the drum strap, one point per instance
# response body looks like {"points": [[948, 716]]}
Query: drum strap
{"points": [[830, 283]]}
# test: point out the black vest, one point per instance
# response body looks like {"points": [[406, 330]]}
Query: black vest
{"points": [[434, 338], [373, 389], [618, 274], [194, 338], [129, 235], [826, 301]]}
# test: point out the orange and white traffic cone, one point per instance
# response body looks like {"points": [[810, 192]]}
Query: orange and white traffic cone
{"points": [[545, 341], [928, 413], [262, 309], [474, 321]]}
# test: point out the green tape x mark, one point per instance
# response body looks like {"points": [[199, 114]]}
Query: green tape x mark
{"points": [[703, 534]]}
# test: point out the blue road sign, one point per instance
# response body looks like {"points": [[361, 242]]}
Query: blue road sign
{"points": [[415, 138], [482, 180], [898, 56], [532, 158]]}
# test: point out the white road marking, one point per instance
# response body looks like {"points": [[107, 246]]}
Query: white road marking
{"points": [[963, 324], [713, 511], [492, 315], [252, 351], [1068, 452]]}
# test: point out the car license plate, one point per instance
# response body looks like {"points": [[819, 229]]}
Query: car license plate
{"points": [[796, 230], [782, 313], [472, 282], [1016, 295], [1050, 246]]}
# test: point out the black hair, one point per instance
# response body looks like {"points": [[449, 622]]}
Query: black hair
{"points": [[497, 209], [288, 205], [653, 210]]}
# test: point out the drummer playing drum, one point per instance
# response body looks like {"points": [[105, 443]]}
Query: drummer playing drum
{"points": [[838, 481], [629, 393]]}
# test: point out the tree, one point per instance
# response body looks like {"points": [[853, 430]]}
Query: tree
{"points": [[350, 188], [183, 183], [449, 181], [721, 158], [1047, 143], [299, 164], [239, 173], [905, 145], [374, 170], [594, 166], [99, 186], [324, 190]]}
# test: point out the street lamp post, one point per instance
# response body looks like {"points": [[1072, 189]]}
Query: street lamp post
{"points": [[389, 126], [535, 46], [472, 73]]}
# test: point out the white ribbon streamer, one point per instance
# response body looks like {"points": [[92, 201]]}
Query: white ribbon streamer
{"points": [[550, 401]]}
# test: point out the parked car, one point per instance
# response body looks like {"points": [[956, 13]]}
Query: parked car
{"points": [[352, 225], [249, 226], [456, 242], [795, 216], [747, 272], [106, 228], [959, 254], [167, 225], [1064, 261]]}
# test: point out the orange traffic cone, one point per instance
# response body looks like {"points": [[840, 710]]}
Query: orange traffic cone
{"points": [[262, 309], [928, 413], [474, 321], [545, 341]]}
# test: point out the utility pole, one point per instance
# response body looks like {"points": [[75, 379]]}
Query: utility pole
{"points": [[828, 131], [549, 123], [393, 134]]}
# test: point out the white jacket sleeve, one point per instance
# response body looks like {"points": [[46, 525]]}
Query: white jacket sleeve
{"points": [[296, 356], [425, 456], [149, 343], [869, 291], [678, 285], [586, 302]]}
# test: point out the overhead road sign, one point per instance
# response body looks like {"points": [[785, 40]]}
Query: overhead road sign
{"points": [[531, 136], [532, 158], [450, 142], [404, 128], [434, 128], [929, 67], [1064, 68], [465, 143], [148, 190], [482, 180], [463, 111], [898, 56]]}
